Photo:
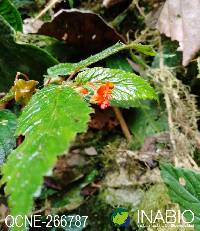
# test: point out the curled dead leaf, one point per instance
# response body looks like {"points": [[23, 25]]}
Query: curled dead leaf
{"points": [[179, 21], [85, 30]]}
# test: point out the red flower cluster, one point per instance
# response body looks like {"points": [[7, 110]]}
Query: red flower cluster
{"points": [[103, 95]]}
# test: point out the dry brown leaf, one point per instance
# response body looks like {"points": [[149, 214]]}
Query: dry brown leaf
{"points": [[85, 30], [103, 119], [179, 19]]}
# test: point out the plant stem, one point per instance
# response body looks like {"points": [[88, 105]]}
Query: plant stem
{"points": [[71, 76], [50, 5], [123, 124]]}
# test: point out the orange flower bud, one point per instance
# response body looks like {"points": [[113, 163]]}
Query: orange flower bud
{"points": [[102, 95]]}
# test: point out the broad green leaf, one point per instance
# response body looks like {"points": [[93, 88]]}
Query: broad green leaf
{"points": [[49, 123], [10, 14], [69, 68], [16, 57], [129, 88], [8, 123], [184, 189], [147, 121]]}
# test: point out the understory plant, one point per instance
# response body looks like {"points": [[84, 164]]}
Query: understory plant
{"points": [[54, 114], [48, 104]]}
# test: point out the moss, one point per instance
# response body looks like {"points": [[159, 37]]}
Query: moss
{"points": [[99, 214], [109, 151], [156, 198]]}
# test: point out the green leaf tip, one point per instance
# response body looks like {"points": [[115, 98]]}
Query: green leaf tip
{"points": [[69, 68]]}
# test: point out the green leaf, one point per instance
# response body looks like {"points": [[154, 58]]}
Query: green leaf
{"points": [[16, 57], [10, 14], [8, 123], [144, 49], [129, 88], [69, 68], [50, 123], [187, 196]]}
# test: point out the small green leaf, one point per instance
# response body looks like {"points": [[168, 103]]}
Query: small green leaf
{"points": [[69, 68], [129, 88], [184, 188], [50, 123], [8, 123], [144, 49], [10, 14]]}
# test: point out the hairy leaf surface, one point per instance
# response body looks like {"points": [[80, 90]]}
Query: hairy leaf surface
{"points": [[129, 88], [69, 68], [8, 123], [184, 188], [49, 123]]}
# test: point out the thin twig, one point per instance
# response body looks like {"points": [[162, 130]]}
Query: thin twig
{"points": [[50, 5], [139, 8], [71, 76], [123, 124]]}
